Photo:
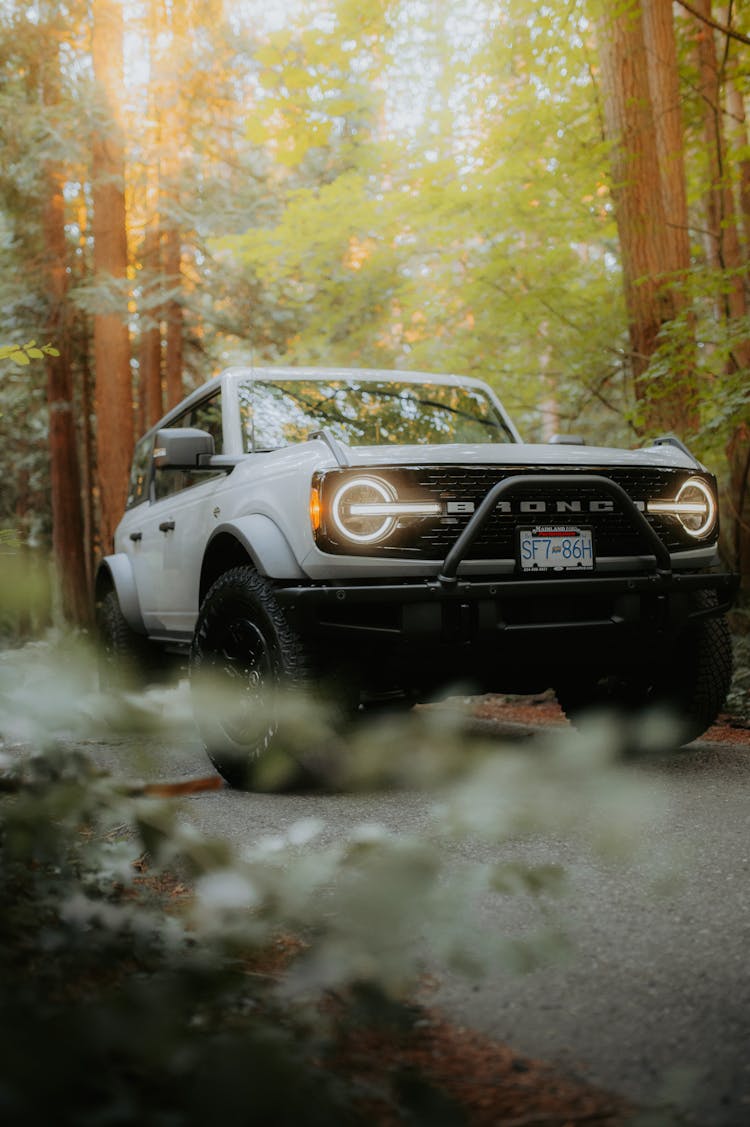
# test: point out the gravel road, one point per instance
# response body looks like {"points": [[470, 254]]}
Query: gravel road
{"points": [[654, 999]]}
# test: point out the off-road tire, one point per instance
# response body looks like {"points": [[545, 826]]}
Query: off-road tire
{"points": [[127, 660], [244, 653], [692, 683]]}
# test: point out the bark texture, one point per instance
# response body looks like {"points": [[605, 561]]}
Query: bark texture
{"points": [[113, 394], [150, 396], [724, 253], [664, 88], [652, 243], [65, 476]]}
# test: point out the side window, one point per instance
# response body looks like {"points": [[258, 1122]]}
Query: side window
{"points": [[205, 415], [140, 473]]}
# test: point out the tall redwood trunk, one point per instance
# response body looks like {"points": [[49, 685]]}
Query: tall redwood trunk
{"points": [[172, 127], [150, 391], [738, 448], [150, 396], [666, 103], [724, 253], [113, 394], [173, 313], [666, 100], [86, 442], [65, 480], [735, 107], [647, 242], [722, 241]]}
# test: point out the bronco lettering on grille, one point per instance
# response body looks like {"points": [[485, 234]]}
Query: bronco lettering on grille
{"points": [[594, 506]]}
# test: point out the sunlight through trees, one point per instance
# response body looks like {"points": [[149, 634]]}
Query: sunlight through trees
{"points": [[554, 197]]}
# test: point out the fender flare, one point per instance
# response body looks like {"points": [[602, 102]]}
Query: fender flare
{"points": [[117, 571], [265, 544]]}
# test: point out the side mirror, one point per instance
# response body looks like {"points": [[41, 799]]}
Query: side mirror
{"points": [[567, 440], [182, 448]]}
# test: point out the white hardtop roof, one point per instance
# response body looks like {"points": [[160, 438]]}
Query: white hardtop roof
{"points": [[242, 374], [542, 454]]}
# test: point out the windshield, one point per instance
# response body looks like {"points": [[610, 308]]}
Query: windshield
{"points": [[367, 413]]}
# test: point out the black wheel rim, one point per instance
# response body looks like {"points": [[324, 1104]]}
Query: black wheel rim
{"points": [[243, 669]]}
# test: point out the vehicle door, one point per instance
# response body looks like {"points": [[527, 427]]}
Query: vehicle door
{"points": [[182, 517], [138, 535]]}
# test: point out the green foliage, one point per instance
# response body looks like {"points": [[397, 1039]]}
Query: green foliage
{"points": [[111, 1012], [475, 232], [25, 595], [23, 354], [713, 346], [320, 85]]}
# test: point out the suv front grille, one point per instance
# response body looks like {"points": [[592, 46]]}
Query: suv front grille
{"points": [[465, 485], [614, 534]]}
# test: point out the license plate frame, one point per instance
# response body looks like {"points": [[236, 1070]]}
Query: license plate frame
{"points": [[549, 547]]}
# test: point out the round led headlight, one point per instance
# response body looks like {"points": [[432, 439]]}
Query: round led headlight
{"points": [[361, 510], [696, 507]]}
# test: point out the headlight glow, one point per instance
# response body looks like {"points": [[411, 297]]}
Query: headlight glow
{"points": [[694, 506], [363, 527], [366, 509], [397, 508]]}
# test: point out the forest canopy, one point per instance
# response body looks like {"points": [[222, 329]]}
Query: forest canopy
{"points": [[554, 197]]}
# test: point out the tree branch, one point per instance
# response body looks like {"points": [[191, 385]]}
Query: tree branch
{"points": [[729, 31]]}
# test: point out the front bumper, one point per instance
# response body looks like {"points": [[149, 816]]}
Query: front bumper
{"points": [[513, 605], [451, 622]]}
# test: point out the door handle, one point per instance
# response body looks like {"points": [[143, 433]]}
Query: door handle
{"points": [[135, 536], [166, 526]]}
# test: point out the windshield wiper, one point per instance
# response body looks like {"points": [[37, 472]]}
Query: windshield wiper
{"points": [[491, 424]]}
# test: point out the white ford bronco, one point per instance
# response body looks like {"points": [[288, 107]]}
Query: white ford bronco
{"points": [[390, 534]]}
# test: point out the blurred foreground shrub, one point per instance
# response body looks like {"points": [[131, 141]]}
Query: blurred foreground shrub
{"points": [[136, 997], [25, 591]]}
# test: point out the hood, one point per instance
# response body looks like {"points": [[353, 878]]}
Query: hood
{"points": [[521, 454]]}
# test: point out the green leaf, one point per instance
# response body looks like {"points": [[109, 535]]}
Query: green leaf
{"points": [[19, 357]]}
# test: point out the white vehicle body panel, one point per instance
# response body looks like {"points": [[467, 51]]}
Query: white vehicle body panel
{"points": [[263, 502]]}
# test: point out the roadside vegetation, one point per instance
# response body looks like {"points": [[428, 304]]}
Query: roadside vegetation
{"points": [[151, 974]]}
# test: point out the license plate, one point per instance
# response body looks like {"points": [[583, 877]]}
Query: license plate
{"points": [[556, 548]]}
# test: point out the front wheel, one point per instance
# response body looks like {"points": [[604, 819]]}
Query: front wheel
{"points": [[244, 655], [691, 684]]}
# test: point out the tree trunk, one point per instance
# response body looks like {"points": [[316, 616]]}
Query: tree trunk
{"points": [[724, 253], [173, 273], [739, 144], [113, 394], [722, 241], [151, 395], [647, 242], [664, 88], [173, 130], [150, 398], [65, 480]]}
